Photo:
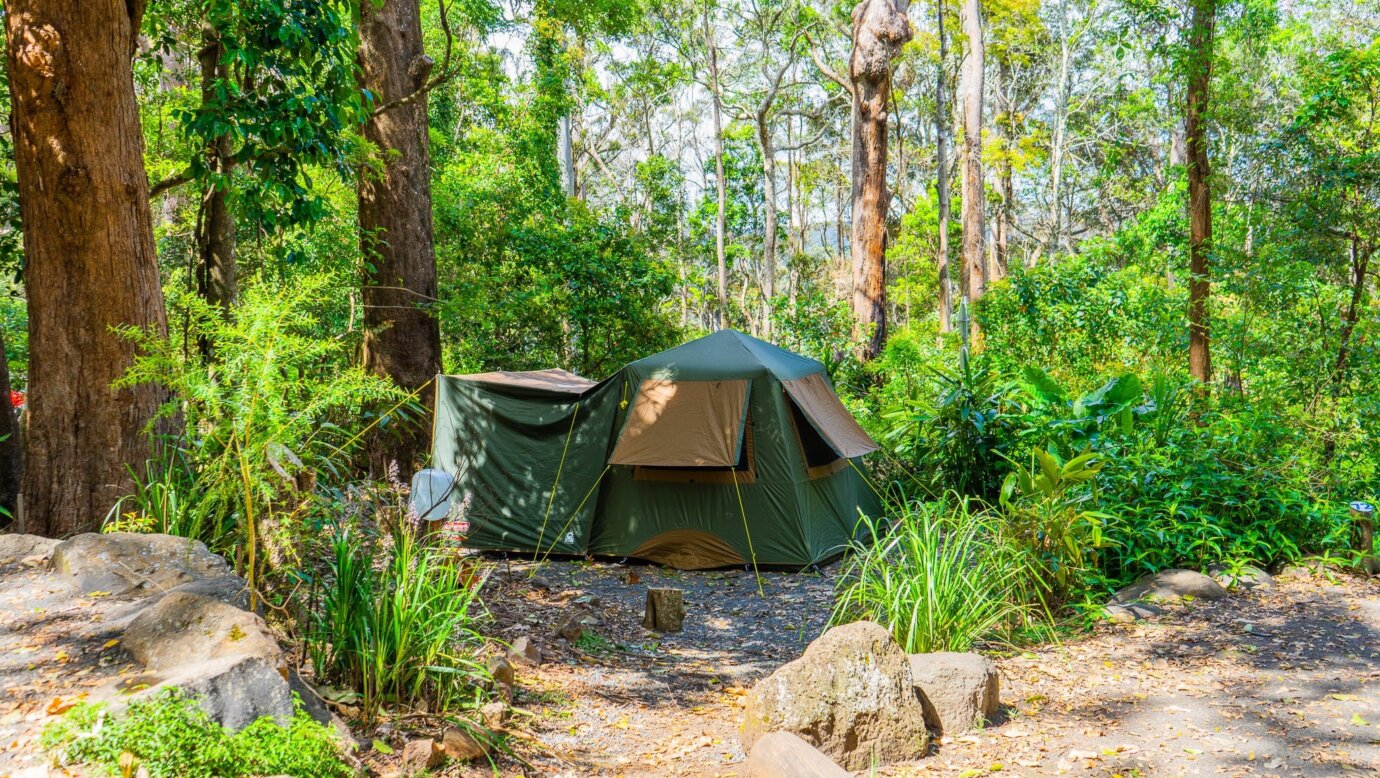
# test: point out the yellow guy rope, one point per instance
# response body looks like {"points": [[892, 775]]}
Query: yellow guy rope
{"points": [[748, 532], [554, 486], [576, 512]]}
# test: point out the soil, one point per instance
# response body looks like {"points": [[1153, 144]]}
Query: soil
{"points": [[1282, 682]]}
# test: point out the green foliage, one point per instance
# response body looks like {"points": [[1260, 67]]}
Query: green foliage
{"points": [[1047, 517], [278, 402], [394, 619], [940, 575], [170, 736]]}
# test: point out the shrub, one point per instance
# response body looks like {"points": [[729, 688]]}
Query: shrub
{"points": [[276, 404], [940, 577], [394, 619], [169, 735]]}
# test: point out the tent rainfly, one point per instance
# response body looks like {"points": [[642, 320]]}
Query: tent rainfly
{"points": [[724, 451]]}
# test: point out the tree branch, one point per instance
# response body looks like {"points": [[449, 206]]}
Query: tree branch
{"points": [[445, 75]]}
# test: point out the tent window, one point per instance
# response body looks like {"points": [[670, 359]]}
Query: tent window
{"points": [[820, 457], [745, 472]]}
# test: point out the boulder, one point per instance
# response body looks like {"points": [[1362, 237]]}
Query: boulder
{"points": [[524, 651], [186, 629], [30, 549], [784, 755], [421, 755], [121, 561], [850, 695], [236, 690], [1168, 585], [959, 691], [495, 715], [1136, 611], [1247, 578]]}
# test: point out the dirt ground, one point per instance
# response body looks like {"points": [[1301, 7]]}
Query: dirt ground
{"points": [[1283, 682], [1268, 683]]}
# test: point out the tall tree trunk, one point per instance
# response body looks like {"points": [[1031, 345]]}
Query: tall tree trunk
{"points": [[1006, 129], [89, 251], [11, 447], [1199, 195], [215, 228], [880, 29], [974, 256], [768, 151], [720, 186], [943, 161], [402, 339], [1058, 134]]}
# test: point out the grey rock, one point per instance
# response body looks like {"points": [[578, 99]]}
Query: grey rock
{"points": [[524, 651], [785, 755], [235, 691], [29, 549], [187, 629], [959, 691], [588, 600], [1169, 585], [1248, 578], [850, 695], [1131, 612], [122, 561]]}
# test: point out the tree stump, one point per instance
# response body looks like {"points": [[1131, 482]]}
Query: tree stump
{"points": [[665, 610]]}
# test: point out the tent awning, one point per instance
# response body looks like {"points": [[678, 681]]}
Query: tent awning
{"points": [[813, 396], [553, 380], [684, 424]]}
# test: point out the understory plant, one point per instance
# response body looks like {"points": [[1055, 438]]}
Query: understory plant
{"points": [[939, 575], [168, 735], [394, 620], [266, 403]]}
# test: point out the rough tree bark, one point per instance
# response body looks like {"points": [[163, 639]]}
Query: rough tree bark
{"points": [[720, 186], [11, 447], [402, 338], [1006, 131], [769, 227], [942, 172], [89, 252], [215, 228], [974, 254], [1204, 13], [880, 29]]}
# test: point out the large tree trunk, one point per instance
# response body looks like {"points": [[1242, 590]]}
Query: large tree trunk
{"points": [[89, 252], [1199, 195], [720, 186], [11, 447], [880, 29], [402, 338], [942, 170], [768, 150], [974, 255], [215, 228]]}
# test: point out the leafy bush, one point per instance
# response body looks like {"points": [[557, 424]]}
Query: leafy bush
{"points": [[394, 619], [169, 735], [275, 407], [941, 576]]}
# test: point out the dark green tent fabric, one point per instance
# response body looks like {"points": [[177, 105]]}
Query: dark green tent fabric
{"points": [[534, 462]]}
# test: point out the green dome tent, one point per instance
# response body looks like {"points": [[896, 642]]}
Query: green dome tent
{"points": [[724, 451]]}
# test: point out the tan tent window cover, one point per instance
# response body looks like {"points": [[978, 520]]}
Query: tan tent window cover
{"points": [[827, 415], [684, 424]]}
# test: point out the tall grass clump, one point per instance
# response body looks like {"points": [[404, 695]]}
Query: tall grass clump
{"points": [[940, 576], [395, 620]]}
